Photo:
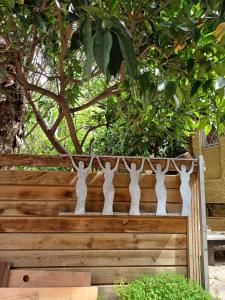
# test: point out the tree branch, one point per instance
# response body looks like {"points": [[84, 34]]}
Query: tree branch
{"points": [[43, 126], [109, 92], [59, 99], [90, 130]]}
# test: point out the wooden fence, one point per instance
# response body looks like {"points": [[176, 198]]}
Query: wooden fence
{"points": [[39, 230]]}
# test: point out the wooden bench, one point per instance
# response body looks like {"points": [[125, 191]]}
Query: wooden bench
{"points": [[214, 239]]}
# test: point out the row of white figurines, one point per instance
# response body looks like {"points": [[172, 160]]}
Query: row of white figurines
{"points": [[134, 188]]}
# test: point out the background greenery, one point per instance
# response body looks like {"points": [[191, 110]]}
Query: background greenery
{"points": [[126, 77]]}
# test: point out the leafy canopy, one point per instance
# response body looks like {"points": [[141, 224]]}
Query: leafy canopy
{"points": [[148, 72]]}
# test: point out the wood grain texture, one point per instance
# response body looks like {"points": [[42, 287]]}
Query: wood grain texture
{"points": [[54, 208], [15, 193], [216, 223], [92, 258], [60, 293], [94, 224], [69, 179], [95, 241], [106, 275], [64, 161], [48, 278], [4, 273]]}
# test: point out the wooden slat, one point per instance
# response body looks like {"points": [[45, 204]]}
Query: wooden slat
{"points": [[4, 273], [72, 293], [14, 193], [44, 278], [54, 208], [73, 258], [106, 275], [64, 161], [94, 224], [79, 241], [69, 178], [216, 224]]}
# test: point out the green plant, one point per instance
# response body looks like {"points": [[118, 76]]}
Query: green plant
{"points": [[168, 286]]}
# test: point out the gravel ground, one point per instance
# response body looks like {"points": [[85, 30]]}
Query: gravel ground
{"points": [[217, 280]]}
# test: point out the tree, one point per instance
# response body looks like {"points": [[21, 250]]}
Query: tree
{"points": [[179, 79]]}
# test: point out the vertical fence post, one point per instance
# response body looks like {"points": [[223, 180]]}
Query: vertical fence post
{"points": [[204, 256]]}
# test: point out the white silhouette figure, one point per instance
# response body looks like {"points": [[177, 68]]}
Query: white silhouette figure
{"points": [[134, 188], [185, 189], [81, 186], [160, 188], [108, 188]]}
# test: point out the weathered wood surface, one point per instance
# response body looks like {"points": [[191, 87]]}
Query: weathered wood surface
{"points": [[94, 224], [64, 161], [4, 273], [216, 223], [48, 278], [88, 241], [54, 208], [54, 193], [64, 293], [94, 258], [69, 179], [109, 275]]}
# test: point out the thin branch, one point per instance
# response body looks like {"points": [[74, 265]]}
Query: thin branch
{"points": [[57, 121], [43, 125], [109, 92], [164, 5], [89, 131]]}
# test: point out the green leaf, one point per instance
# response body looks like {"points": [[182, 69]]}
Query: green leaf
{"points": [[102, 47], [219, 68], [190, 64], [195, 87], [170, 89], [116, 57], [95, 11], [179, 94], [203, 123], [75, 41], [86, 29], [208, 129], [9, 3], [126, 47]]}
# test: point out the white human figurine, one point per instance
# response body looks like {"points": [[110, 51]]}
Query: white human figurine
{"points": [[185, 189], [134, 188], [81, 186], [108, 188], [160, 188]]}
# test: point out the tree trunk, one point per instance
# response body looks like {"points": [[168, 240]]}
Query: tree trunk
{"points": [[12, 111]]}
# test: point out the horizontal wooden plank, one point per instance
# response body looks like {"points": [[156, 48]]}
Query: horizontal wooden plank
{"points": [[14, 193], [92, 258], [54, 208], [216, 223], [106, 275], [64, 161], [149, 224], [69, 178], [48, 278], [79, 241], [57, 293]]}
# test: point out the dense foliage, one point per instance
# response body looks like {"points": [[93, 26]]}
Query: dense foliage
{"points": [[115, 77], [162, 287]]}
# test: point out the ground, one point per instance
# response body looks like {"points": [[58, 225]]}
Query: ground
{"points": [[217, 280]]}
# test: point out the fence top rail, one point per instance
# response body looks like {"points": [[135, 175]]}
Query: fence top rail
{"points": [[13, 160]]}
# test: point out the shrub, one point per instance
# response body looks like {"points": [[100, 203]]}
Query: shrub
{"points": [[168, 286]]}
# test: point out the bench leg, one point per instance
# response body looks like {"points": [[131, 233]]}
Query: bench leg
{"points": [[211, 253]]}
